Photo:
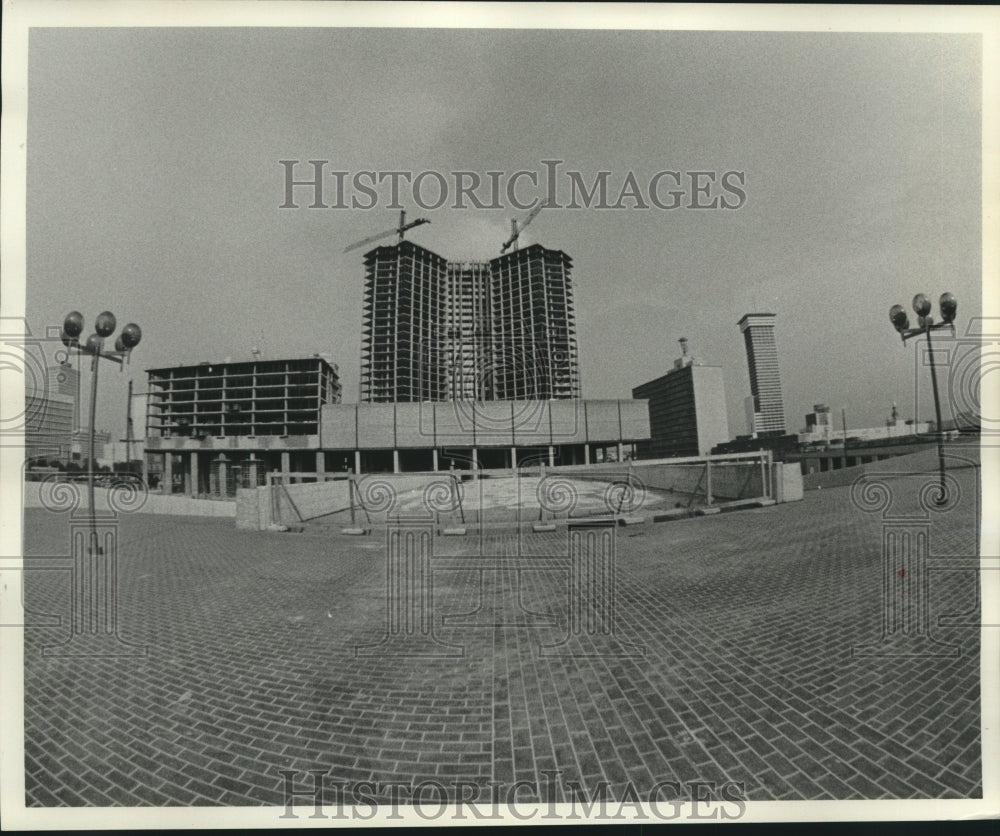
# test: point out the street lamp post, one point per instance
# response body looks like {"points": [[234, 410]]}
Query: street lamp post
{"points": [[94, 604], [925, 322], [128, 339]]}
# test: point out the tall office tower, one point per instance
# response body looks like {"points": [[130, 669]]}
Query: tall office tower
{"points": [[534, 326], [497, 330], [765, 381], [64, 379]]}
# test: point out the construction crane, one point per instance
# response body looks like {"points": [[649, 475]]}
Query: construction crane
{"points": [[129, 427], [515, 232], [396, 230]]}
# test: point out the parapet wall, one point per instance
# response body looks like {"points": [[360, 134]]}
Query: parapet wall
{"points": [[958, 454]]}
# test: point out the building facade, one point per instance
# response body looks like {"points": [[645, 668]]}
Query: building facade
{"points": [[52, 417], [465, 435], [49, 426], [466, 338], [687, 410], [435, 330], [768, 408], [64, 380], [212, 428], [534, 326], [404, 318], [81, 446], [818, 424]]}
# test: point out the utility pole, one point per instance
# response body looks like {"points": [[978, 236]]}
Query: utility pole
{"points": [[129, 432], [843, 423]]}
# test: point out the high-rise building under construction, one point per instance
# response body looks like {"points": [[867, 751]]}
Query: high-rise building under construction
{"points": [[435, 330]]}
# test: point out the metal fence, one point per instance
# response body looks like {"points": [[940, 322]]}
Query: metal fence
{"points": [[226, 477]]}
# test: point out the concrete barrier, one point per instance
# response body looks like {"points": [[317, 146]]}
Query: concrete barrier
{"points": [[788, 485], [154, 503], [253, 508], [730, 480], [962, 453], [298, 502]]}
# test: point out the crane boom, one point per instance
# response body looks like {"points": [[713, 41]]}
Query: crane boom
{"points": [[396, 230], [515, 232]]}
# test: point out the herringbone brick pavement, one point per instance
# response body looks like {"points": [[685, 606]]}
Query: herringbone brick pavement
{"points": [[747, 621]]}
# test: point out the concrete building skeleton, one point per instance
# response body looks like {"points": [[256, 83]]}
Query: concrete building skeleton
{"points": [[435, 330], [464, 365], [211, 426]]}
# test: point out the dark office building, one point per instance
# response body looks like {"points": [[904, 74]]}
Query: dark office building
{"points": [[687, 410]]}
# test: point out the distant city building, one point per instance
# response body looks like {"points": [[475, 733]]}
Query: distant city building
{"points": [[48, 426], [779, 445], [52, 426], [63, 379], [828, 435], [435, 330], [81, 444], [687, 409], [53, 415], [818, 422], [751, 414], [765, 381]]}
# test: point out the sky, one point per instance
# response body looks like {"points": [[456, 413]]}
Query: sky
{"points": [[154, 187]]}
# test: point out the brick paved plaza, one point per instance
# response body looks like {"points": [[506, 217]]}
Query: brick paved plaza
{"points": [[747, 621]]}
